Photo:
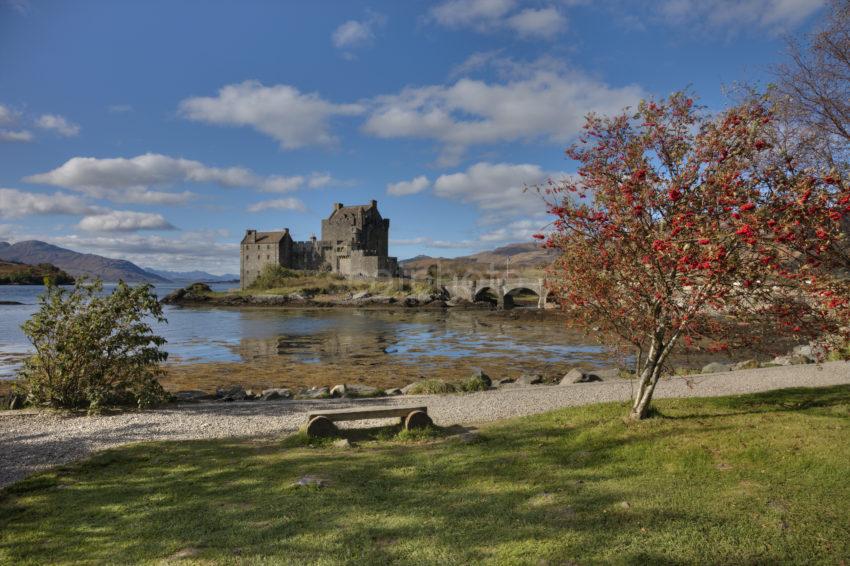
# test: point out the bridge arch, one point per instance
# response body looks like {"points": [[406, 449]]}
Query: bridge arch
{"points": [[487, 293]]}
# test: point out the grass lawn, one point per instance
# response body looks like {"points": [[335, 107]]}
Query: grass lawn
{"points": [[758, 479]]}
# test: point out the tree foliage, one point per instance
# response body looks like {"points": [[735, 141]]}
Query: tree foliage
{"points": [[94, 350], [670, 234]]}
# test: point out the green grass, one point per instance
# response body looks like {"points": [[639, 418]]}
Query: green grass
{"points": [[758, 479]]}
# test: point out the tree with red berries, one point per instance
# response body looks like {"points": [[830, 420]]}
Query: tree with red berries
{"points": [[668, 237]]}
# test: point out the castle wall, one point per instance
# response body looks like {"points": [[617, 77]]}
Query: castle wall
{"points": [[355, 243]]}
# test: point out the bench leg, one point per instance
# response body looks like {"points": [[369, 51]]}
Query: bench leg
{"points": [[417, 419], [321, 427]]}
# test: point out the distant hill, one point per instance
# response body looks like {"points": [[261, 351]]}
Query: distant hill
{"points": [[15, 273], [193, 276], [524, 257], [35, 252]]}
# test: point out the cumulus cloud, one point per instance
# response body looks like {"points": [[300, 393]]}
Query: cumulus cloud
{"points": [[543, 23], [16, 204], [515, 231], [124, 221], [278, 204], [58, 124], [416, 185], [292, 118], [737, 14], [354, 34], [542, 102], [500, 15], [129, 179], [497, 189]]}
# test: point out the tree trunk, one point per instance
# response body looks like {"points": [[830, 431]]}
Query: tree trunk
{"points": [[650, 375]]}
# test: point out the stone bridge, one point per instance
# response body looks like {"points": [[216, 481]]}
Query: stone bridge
{"points": [[503, 289]]}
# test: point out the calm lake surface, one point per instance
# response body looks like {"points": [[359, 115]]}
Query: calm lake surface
{"points": [[290, 337]]}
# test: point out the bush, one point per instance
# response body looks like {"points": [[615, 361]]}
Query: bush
{"points": [[431, 386], [272, 276], [94, 350], [473, 383]]}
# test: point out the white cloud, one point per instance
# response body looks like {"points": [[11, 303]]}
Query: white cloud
{"points": [[15, 136], [7, 116], [431, 243], [292, 118], [16, 204], [59, 124], [544, 23], [129, 179], [737, 14], [124, 221], [278, 204], [500, 15], [497, 189], [188, 251], [542, 102], [478, 14], [351, 34], [515, 231], [411, 187]]}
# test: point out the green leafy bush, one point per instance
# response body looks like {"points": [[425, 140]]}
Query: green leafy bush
{"points": [[473, 383], [94, 350]]}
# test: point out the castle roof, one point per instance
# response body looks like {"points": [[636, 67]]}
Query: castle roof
{"points": [[353, 209], [269, 237]]}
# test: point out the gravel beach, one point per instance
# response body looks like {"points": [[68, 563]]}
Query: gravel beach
{"points": [[31, 441]]}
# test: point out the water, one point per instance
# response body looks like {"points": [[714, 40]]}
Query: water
{"points": [[346, 337]]}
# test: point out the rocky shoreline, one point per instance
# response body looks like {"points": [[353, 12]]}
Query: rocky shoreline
{"points": [[200, 294]]}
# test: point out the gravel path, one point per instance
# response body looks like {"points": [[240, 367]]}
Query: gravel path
{"points": [[31, 441]]}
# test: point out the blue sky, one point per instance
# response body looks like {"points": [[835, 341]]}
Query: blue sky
{"points": [[158, 131]]}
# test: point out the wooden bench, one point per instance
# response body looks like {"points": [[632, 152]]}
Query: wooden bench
{"points": [[321, 423]]}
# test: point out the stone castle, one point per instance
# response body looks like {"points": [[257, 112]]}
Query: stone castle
{"points": [[355, 243]]}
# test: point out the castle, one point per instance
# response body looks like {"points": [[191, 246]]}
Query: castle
{"points": [[355, 243]]}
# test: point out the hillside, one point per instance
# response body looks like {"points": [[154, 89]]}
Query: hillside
{"points": [[14, 273], [521, 257], [36, 252], [193, 276]]}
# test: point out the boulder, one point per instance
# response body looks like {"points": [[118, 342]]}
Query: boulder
{"points": [[411, 302], [607, 373], [235, 393], [575, 375], [406, 389], [360, 390], [715, 367], [361, 295], [792, 360], [343, 443], [529, 379], [315, 393], [275, 393], [393, 392], [296, 297], [478, 373], [339, 390], [193, 396], [746, 364]]}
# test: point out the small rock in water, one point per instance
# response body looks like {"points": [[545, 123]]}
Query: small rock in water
{"points": [[715, 367], [312, 481]]}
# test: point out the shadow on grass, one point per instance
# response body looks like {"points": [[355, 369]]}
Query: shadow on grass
{"points": [[555, 488], [793, 399]]}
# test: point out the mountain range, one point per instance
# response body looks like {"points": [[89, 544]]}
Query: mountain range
{"points": [[523, 257], [193, 276], [87, 265]]}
